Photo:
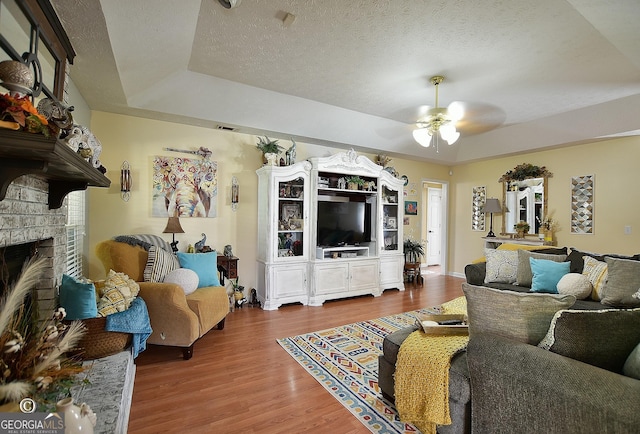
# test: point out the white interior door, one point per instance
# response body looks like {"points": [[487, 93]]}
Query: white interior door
{"points": [[434, 226]]}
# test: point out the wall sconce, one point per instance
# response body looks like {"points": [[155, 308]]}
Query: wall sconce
{"points": [[125, 181], [235, 193]]}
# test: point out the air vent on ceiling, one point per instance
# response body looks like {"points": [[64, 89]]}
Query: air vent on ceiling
{"points": [[225, 128]]}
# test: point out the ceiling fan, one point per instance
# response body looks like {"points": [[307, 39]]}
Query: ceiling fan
{"points": [[439, 121]]}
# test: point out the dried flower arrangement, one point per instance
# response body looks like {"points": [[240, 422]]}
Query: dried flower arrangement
{"points": [[525, 171], [19, 113], [33, 360]]}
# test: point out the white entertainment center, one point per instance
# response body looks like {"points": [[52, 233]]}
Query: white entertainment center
{"points": [[319, 239]]}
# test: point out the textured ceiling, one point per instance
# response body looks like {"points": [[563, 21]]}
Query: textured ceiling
{"points": [[356, 73]]}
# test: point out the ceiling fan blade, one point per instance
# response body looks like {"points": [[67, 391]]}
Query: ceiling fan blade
{"points": [[480, 118]]}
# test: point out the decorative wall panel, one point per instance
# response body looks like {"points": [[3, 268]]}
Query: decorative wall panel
{"points": [[582, 204], [477, 214]]}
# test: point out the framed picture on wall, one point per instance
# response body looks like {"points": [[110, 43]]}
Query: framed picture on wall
{"points": [[410, 207]]}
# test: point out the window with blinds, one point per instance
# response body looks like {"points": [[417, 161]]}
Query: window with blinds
{"points": [[75, 232]]}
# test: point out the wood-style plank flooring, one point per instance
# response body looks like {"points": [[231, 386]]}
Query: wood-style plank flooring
{"points": [[241, 381]]}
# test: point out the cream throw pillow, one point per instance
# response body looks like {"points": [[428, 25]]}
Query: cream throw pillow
{"points": [[596, 272], [575, 284]]}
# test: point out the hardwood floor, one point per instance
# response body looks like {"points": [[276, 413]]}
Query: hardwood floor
{"points": [[241, 381]]}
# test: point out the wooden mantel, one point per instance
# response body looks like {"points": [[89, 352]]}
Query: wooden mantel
{"points": [[24, 153]]}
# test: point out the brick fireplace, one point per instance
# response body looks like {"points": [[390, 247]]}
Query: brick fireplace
{"points": [[26, 218]]}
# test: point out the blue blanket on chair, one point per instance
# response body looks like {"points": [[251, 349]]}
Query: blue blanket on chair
{"points": [[134, 320]]}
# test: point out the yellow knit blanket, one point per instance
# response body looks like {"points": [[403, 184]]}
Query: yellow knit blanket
{"points": [[422, 374]]}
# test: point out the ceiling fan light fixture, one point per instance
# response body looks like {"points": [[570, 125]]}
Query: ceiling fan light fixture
{"points": [[439, 120], [422, 136]]}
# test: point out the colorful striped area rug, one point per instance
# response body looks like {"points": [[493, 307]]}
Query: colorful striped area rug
{"points": [[344, 360]]}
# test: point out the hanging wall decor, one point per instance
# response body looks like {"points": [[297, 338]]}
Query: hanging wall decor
{"points": [[184, 187], [410, 207], [479, 195], [582, 204]]}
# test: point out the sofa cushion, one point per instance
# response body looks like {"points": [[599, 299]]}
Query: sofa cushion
{"points": [[502, 265], [187, 279], [596, 272], [391, 343], [576, 257], [524, 317], [123, 257], [602, 338], [576, 284], [631, 366], [205, 266], [547, 274], [210, 304], [78, 298], [524, 274], [159, 264], [622, 283]]}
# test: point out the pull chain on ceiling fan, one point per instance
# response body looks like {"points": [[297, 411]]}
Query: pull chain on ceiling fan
{"points": [[440, 120]]}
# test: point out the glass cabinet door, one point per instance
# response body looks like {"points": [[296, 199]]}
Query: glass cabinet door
{"points": [[291, 218], [390, 219]]}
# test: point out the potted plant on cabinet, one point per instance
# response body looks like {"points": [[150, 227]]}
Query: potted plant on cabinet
{"points": [[522, 228], [413, 251], [270, 150], [354, 182]]}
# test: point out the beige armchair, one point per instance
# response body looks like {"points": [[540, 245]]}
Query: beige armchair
{"points": [[176, 319]]}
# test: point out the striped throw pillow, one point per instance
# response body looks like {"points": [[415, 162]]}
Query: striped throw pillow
{"points": [[159, 264], [597, 272]]}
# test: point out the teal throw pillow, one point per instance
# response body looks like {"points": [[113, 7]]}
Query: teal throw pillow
{"points": [[78, 298], [204, 264], [547, 274]]}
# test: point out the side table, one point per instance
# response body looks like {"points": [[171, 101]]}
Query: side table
{"points": [[229, 266]]}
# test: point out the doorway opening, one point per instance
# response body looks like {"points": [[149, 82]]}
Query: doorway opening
{"points": [[433, 225]]}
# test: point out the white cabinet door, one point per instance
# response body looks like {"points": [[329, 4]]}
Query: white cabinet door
{"points": [[363, 276], [285, 284], [332, 278], [391, 269], [290, 281]]}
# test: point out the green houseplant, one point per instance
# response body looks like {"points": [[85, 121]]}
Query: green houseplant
{"points": [[268, 146], [354, 182], [522, 228], [413, 251]]}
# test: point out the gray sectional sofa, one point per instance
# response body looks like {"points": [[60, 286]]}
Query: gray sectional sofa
{"points": [[577, 380]]}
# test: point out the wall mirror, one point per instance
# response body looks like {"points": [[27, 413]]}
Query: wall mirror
{"points": [[524, 195]]}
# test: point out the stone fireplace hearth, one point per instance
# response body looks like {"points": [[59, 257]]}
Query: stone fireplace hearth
{"points": [[26, 218]]}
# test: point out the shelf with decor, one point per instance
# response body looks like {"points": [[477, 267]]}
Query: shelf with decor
{"points": [[23, 153]]}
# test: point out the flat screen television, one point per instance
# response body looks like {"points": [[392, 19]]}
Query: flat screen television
{"points": [[343, 223]]}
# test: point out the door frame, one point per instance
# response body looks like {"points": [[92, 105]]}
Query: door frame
{"points": [[444, 209]]}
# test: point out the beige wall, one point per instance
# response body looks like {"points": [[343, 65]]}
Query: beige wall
{"points": [[138, 140], [617, 204]]}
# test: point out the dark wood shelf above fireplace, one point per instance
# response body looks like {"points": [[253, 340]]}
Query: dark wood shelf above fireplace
{"points": [[24, 153]]}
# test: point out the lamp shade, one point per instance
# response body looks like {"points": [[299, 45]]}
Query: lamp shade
{"points": [[173, 226], [492, 205]]}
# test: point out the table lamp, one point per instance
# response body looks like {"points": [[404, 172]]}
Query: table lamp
{"points": [[173, 227], [492, 205]]}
